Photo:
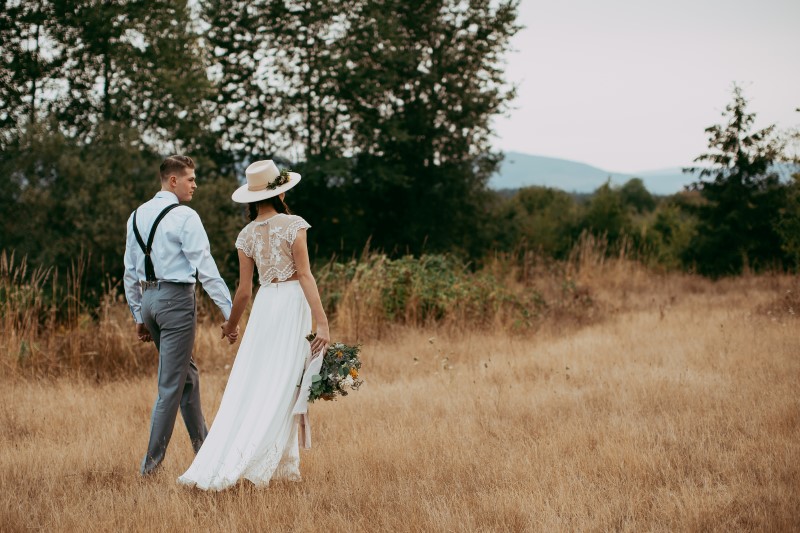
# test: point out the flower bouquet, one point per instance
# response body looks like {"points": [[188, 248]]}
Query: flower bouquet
{"points": [[339, 372]]}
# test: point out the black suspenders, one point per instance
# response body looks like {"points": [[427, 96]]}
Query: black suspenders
{"points": [[149, 271]]}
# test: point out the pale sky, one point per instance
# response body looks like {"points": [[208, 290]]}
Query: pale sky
{"points": [[630, 85]]}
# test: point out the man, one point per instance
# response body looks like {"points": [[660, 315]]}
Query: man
{"points": [[166, 252]]}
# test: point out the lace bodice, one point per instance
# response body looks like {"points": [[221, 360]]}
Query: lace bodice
{"points": [[269, 244]]}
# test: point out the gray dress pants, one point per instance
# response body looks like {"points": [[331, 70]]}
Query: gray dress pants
{"points": [[169, 312]]}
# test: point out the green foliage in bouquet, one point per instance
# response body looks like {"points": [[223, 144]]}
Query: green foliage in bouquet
{"points": [[339, 372]]}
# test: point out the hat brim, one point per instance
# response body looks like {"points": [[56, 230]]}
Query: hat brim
{"points": [[243, 195]]}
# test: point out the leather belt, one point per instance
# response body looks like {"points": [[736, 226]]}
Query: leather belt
{"points": [[149, 284]]}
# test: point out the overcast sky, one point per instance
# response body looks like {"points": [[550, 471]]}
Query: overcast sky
{"points": [[630, 85]]}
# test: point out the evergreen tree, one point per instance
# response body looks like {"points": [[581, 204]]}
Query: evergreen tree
{"points": [[788, 225], [743, 197]]}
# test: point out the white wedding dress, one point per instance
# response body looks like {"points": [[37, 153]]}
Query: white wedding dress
{"points": [[255, 433]]}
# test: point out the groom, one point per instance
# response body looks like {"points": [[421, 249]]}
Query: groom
{"points": [[166, 253]]}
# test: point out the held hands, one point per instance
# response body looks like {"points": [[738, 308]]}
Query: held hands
{"points": [[142, 333], [321, 340], [230, 331]]}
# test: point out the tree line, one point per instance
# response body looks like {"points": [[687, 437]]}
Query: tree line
{"points": [[383, 106], [742, 215]]}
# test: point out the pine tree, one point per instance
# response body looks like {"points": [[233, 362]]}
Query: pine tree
{"points": [[743, 196]]}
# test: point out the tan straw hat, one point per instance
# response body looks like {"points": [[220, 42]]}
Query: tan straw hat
{"points": [[264, 180]]}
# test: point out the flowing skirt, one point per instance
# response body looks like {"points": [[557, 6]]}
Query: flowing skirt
{"points": [[255, 435]]}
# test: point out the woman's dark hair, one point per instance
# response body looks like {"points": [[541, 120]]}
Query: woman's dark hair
{"points": [[276, 202]]}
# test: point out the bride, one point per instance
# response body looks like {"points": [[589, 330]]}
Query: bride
{"points": [[255, 433]]}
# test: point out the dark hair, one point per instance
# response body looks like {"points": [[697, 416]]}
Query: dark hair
{"points": [[276, 202], [174, 164]]}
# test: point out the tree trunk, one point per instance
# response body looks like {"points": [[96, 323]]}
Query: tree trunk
{"points": [[35, 74], [107, 77]]}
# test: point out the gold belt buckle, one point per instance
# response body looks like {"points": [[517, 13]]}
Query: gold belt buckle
{"points": [[149, 285]]}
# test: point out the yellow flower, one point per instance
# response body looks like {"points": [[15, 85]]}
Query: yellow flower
{"points": [[339, 354], [354, 373]]}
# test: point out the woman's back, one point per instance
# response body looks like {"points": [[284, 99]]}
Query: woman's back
{"points": [[269, 244]]}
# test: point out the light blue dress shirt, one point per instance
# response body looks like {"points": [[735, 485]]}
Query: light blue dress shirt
{"points": [[180, 248]]}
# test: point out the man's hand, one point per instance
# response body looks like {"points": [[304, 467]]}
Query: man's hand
{"points": [[232, 333], [143, 333]]}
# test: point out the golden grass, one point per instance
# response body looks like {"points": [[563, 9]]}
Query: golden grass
{"points": [[677, 410]]}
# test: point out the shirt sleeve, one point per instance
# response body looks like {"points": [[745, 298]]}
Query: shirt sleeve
{"points": [[244, 242], [196, 248], [133, 291], [295, 224]]}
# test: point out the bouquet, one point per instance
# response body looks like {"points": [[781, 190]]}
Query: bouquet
{"points": [[339, 372]]}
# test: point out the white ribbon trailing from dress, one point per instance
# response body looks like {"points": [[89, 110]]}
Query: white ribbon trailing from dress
{"points": [[312, 367]]}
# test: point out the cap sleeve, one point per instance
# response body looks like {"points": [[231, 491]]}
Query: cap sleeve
{"points": [[295, 224], [245, 240]]}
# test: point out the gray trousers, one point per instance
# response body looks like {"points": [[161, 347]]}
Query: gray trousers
{"points": [[169, 312]]}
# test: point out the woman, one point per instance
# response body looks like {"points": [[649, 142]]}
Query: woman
{"points": [[255, 433]]}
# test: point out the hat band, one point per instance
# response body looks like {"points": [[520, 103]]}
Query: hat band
{"points": [[257, 188]]}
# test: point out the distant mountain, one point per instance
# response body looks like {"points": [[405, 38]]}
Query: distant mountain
{"points": [[523, 170], [666, 180]]}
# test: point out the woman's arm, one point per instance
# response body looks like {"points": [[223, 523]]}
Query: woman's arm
{"points": [[309, 285], [230, 328]]}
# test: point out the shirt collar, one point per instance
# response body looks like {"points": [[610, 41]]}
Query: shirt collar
{"points": [[167, 195]]}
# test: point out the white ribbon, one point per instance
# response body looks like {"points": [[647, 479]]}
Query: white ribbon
{"points": [[313, 367]]}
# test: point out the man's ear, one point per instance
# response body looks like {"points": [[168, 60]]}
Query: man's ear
{"points": [[173, 181]]}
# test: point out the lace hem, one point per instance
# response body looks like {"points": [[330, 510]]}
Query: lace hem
{"points": [[288, 470], [274, 273]]}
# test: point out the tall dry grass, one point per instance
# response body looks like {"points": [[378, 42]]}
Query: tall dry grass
{"points": [[676, 410], [660, 402], [49, 329]]}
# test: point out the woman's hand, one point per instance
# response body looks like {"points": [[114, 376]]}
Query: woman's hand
{"points": [[230, 331], [321, 341]]}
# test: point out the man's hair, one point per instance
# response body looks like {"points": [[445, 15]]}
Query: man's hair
{"points": [[175, 164]]}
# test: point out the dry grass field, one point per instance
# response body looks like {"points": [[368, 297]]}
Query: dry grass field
{"points": [[676, 409]]}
